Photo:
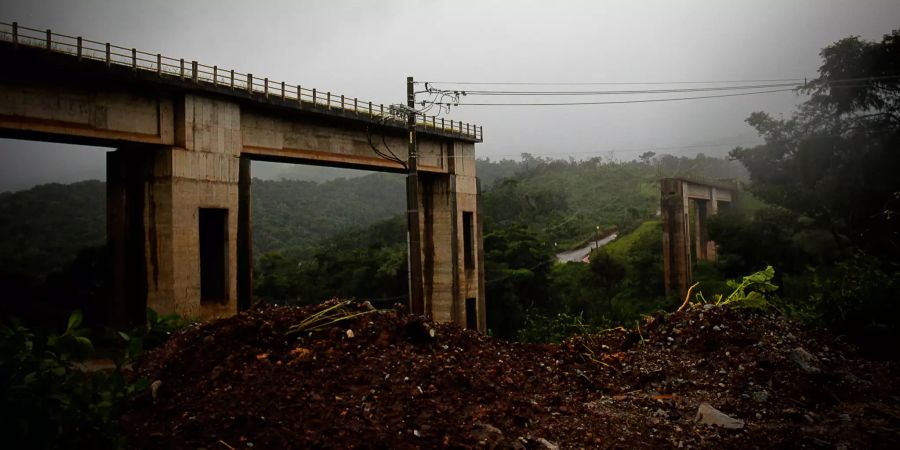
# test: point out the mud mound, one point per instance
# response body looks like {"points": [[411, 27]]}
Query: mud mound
{"points": [[381, 380]]}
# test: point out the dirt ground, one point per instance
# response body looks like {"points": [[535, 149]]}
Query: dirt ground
{"points": [[379, 380]]}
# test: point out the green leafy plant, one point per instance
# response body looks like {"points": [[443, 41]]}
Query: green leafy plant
{"points": [[54, 399], [754, 291]]}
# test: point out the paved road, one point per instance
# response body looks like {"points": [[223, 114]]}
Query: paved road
{"points": [[581, 254]]}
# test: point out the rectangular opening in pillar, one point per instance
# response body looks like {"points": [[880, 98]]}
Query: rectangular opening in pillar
{"points": [[213, 255], [468, 240], [471, 314]]}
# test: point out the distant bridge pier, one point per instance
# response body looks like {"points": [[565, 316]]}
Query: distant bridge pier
{"points": [[677, 196]]}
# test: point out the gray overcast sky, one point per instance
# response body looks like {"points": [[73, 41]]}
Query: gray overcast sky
{"points": [[367, 48]]}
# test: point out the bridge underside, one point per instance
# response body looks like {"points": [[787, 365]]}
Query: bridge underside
{"points": [[178, 185]]}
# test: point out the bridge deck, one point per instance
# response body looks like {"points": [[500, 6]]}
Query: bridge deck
{"points": [[156, 68]]}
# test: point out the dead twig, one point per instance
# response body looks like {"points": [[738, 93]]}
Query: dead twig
{"points": [[687, 297]]}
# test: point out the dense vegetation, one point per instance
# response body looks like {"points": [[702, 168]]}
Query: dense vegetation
{"points": [[536, 208], [822, 212], [43, 228], [829, 175]]}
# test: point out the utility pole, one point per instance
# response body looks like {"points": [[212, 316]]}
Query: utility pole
{"points": [[416, 297]]}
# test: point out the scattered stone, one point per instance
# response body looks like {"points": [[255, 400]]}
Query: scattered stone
{"points": [[544, 444], [487, 435], [805, 360], [760, 396], [712, 416], [216, 372], [154, 388]]}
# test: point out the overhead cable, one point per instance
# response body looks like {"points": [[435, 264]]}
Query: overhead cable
{"points": [[618, 102]]}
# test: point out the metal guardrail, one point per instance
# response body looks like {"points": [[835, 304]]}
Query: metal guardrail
{"points": [[165, 66]]}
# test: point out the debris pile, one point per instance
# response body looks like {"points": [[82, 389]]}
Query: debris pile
{"points": [[707, 377]]}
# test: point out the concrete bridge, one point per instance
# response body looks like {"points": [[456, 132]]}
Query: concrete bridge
{"points": [[178, 214], [680, 197]]}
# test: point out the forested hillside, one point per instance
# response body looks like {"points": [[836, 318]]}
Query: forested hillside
{"points": [[347, 237], [43, 228], [292, 216]]}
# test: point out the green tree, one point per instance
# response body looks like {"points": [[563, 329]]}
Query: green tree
{"points": [[835, 162]]}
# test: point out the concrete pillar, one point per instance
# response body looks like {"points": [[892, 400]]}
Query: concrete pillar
{"points": [[701, 234], [451, 241], [127, 281], [676, 241], [155, 197], [244, 238], [712, 210]]}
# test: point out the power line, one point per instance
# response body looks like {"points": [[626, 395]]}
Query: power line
{"points": [[627, 92], [620, 101], [601, 83], [638, 83]]}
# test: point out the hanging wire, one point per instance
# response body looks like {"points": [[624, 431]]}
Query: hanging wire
{"points": [[620, 102]]}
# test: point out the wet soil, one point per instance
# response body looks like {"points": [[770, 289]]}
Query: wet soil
{"points": [[380, 380]]}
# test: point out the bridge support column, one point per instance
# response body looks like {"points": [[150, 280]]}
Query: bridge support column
{"points": [[451, 236], [173, 217], [244, 239], [126, 173], [676, 236]]}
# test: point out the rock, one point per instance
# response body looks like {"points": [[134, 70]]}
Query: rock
{"points": [[541, 443], [805, 360], [760, 396], [216, 372], [154, 388], [487, 435], [712, 416], [417, 329]]}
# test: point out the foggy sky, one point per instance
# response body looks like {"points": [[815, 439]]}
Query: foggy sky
{"points": [[366, 49]]}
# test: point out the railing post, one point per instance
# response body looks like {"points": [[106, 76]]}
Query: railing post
{"points": [[194, 76], [451, 125], [215, 76], [250, 83], [15, 36], [370, 109], [282, 90], [134, 59], [266, 86], [232, 79], [355, 108], [108, 60], [49, 39], [467, 129], [79, 49], [314, 97], [159, 64], [299, 95], [328, 100], [342, 102], [181, 71], [442, 124]]}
